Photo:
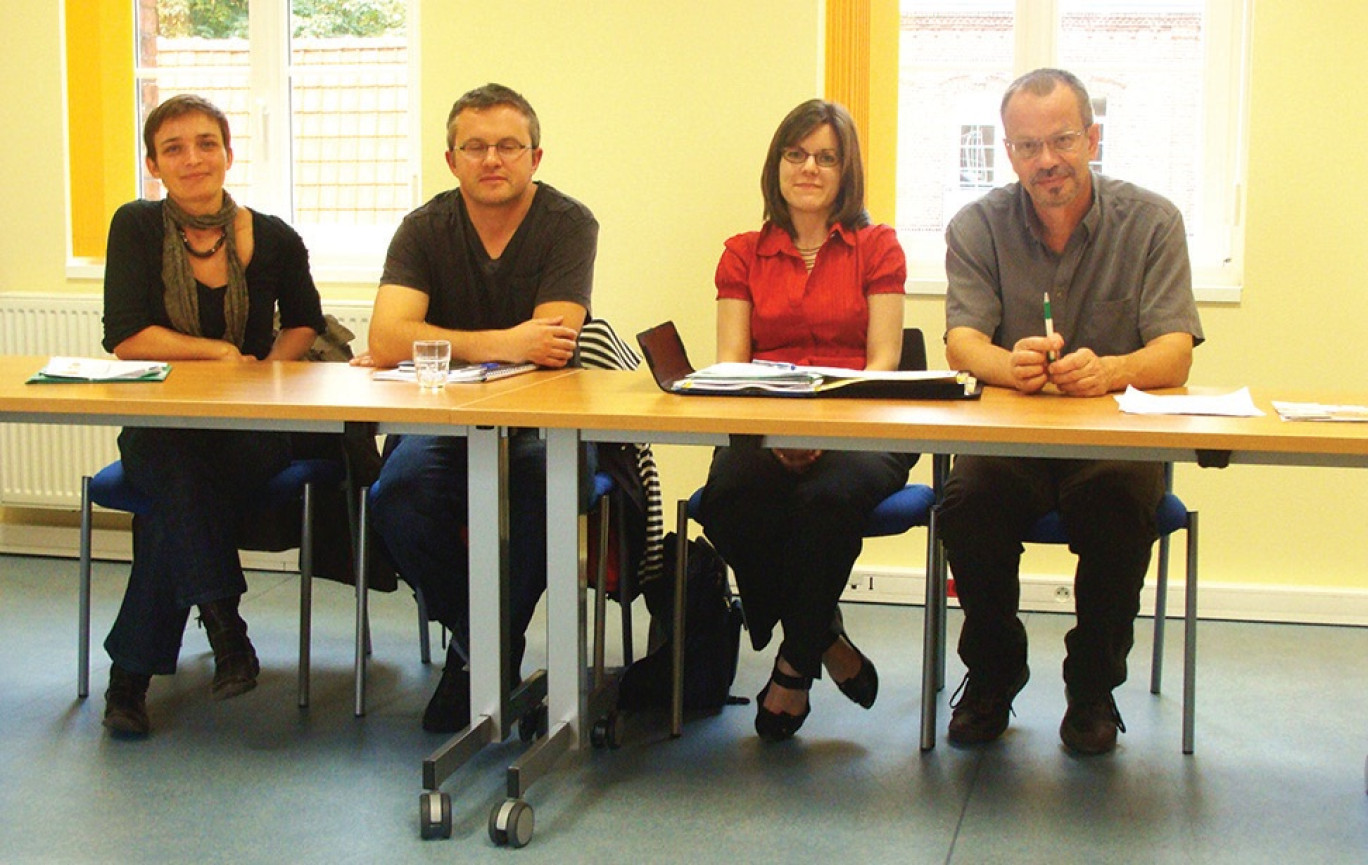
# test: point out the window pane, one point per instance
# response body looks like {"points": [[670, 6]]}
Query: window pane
{"points": [[956, 59], [349, 103], [1144, 63], [201, 47]]}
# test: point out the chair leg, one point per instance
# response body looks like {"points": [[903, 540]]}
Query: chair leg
{"points": [[1160, 613], [940, 473], [305, 593], [424, 638], [931, 636], [83, 598], [1190, 639], [942, 613], [362, 614], [601, 590], [681, 571], [626, 590]]}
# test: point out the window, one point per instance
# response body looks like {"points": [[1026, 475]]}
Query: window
{"points": [[1166, 77], [977, 153], [317, 95]]}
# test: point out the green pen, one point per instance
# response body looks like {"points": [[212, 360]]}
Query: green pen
{"points": [[1049, 328]]}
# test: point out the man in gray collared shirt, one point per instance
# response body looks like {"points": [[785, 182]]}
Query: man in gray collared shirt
{"points": [[1113, 259]]}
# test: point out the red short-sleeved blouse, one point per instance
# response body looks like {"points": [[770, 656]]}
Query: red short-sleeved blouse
{"points": [[819, 318]]}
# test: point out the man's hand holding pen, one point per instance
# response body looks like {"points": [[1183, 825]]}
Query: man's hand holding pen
{"points": [[1031, 366], [1079, 373]]}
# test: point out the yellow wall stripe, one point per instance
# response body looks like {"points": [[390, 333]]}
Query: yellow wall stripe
{"points": [[862, 75]]}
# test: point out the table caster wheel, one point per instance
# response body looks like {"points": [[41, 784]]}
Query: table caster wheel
{"points": [[510, 823], [434, 815], [605, 733], [534, 724]]}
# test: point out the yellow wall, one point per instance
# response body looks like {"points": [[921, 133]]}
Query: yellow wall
{"points": [[656, 115]]}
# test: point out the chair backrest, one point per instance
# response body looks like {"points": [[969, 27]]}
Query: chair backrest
{"points": [[913, 350], [601, 348]]}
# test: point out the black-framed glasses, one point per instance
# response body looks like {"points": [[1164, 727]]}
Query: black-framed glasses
{"points": [[1030, 148], [507, 149], [799, 156]]}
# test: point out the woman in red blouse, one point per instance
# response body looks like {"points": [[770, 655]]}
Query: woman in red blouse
{"points": [[819, 285]]}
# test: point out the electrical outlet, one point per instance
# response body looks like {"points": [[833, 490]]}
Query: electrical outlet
{"points": [[1063, 594]]}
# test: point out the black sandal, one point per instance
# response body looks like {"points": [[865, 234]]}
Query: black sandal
{"points": [[778, 726], [863, 687]]}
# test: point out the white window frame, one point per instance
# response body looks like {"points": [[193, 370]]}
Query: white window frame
{"points": [[337, 254], [1217, 245]]}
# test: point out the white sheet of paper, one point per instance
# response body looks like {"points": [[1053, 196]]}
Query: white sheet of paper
{"points": [[1234, 404], [1320, 411]]}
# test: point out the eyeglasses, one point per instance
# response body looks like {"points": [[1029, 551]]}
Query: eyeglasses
{"points": [[799, 156], [1030, 148], [508, 149]]}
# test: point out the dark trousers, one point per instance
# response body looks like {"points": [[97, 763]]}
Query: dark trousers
{"points": [[1108, 510], [419, 509], [793, 538], [185, 550]]}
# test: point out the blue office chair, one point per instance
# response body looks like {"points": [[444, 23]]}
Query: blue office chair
{"points": [[897, 514], [296, 483], [1172, 516]]}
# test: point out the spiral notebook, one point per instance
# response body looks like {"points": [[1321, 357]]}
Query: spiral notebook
{"points": [[469, 374], [60, 370]]}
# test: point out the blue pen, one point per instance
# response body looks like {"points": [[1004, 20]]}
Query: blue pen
{"points": [[777, 364], [1049, 328]]}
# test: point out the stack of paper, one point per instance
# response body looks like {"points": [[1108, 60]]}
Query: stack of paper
{"points": [[793, 380], [748, 376]]}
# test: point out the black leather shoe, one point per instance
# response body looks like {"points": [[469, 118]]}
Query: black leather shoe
{"points": [[778, 726], [449, 709], [235, 659], [1090, 726], [126, 703], [980, 715], [863, 687]]}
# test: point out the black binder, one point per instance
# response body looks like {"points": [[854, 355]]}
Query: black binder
{"points": [[669, 363]]}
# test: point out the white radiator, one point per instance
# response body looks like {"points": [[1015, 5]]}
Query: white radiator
{"points": [[41, 465]]}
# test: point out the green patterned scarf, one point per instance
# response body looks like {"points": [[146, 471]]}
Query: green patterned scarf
{"points": [[181, 296]]}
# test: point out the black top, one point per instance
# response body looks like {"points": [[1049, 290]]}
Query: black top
{"points": [[550, 258], [277, 274]]}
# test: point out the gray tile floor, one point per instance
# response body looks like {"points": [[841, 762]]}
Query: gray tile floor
{"points": [[1278, 775]]}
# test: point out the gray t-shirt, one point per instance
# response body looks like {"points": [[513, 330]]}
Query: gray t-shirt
{"points": [[550, 258], [1123, 279]]}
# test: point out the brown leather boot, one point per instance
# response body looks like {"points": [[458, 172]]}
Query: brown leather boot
{"points": [[235, 661], [126, 703]]}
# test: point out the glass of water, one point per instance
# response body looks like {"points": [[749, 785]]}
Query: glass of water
{"points": [[431, 361]]}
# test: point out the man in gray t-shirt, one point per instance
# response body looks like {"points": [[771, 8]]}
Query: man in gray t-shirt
{"points": [[1112, 261], [501, 267]]}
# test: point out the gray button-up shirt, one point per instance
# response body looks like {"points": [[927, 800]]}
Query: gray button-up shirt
{"points": [[1123, 279]]}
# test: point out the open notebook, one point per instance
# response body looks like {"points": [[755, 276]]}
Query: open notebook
{"points": [[669, 362]]}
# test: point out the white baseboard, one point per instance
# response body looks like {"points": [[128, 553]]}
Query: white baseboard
{"points": [[115, 545], [1048, 593], [1230, 601]]}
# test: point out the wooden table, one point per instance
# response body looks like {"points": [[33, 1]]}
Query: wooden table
{"points": [[304, 397], [590, 405], [620, 407]]}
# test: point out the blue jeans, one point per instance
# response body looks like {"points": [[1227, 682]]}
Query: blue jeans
{"points": [[419, 506], [185, 550]]}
